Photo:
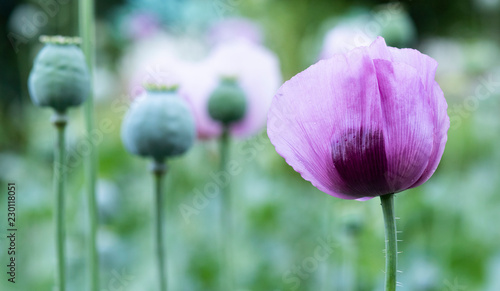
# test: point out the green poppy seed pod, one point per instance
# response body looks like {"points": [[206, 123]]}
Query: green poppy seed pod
{"points": [[353, 225], [398, 30], [159, 125], [227, 103], [59, 78]]}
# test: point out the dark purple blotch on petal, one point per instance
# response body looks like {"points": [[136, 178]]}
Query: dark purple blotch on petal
{"points": [[360, 160]]}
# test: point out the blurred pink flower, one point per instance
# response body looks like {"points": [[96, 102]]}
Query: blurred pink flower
{"points": [[362, 124], [230, 29], [141, 25], [257, 72], [256, 69]]}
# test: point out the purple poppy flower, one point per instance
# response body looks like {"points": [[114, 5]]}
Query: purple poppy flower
{"points": [[364, 124]]}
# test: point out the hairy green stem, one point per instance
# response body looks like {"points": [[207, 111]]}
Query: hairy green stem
{"points": [[159, 172], [226, 218], [391, 249], [59, 120], [87, 31]]}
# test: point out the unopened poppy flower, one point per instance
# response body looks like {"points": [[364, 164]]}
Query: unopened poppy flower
{"points": [[367, 123]]}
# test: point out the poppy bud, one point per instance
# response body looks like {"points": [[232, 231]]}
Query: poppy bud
{"points": [[59, 78], [158, 125], [227, 103]]}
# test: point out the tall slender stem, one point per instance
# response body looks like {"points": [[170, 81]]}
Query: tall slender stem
{"points": [[87, 30], [159, 172], [391, 249], [226, 218], [59, 120], [351, 261], [327, 275]]}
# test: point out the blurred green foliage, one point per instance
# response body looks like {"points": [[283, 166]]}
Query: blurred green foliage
{"points": [[450, 232]]}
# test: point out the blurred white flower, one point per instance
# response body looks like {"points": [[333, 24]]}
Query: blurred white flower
{"points": [[151, 60], [345, 36]]}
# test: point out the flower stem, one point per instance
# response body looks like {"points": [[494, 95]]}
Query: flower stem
{"points": [[86, 24], [158, 172], [391, 249], [327, 275], [59, 120], [226, 218]]}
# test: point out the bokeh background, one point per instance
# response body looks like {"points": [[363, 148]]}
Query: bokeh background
{"points": [[450, 233]]}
